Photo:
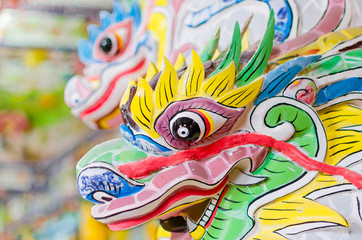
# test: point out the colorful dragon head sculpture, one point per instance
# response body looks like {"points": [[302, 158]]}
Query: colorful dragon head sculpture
{"points": [[141, 32], [119, 49], [228, 150]]}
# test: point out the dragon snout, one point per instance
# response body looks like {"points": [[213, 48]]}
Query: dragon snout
{"points": [[100, 182]]}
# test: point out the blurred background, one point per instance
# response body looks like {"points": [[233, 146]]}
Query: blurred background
{"points": [[40, 141]]}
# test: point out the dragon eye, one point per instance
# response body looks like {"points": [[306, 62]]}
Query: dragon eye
{"points": [[106, 44], [109, 45], [112, 43], [187, 127], [195, 122]]}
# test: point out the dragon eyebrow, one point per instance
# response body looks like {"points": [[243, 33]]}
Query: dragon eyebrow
{"points": [[143, 168]]}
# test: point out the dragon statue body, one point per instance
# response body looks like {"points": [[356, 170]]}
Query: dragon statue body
{"points": [[259, 143]]}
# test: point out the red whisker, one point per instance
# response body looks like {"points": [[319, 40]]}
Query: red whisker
{"points": [[143, 168]]}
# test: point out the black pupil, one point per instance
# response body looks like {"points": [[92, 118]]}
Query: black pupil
{"points": [[186, 129], [106, 44]]}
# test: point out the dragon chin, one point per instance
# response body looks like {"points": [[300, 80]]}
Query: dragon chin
{"points": [[175, 187]]}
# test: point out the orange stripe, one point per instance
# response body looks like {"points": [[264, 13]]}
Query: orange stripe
{"points": [[206, 120]]}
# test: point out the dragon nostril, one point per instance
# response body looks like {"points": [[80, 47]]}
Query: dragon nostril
{"points": [[103, 197], [107, 199]]}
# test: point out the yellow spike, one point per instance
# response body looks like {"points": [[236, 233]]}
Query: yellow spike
{"points": [[216, 54], [180, 61], [241, 97], [221, 83], [151, 71], [245, 41], [166, 88], [125, 96], [338, 123], [294, 209], [142, 107], [282, 215], [245, 34], [191, 80]]}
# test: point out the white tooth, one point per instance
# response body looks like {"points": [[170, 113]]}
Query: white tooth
{"points": [[202, 223], [239, 178], [208, 213], [211, 207], [190, 224], [213, 201], [205, 218]]}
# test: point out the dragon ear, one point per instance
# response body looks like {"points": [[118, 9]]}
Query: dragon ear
{"points": [[211, 46], [258, 62], [234, 52]]}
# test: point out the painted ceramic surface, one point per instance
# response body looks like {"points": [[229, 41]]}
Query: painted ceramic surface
{"points": [[134, 35], [225, 149]]}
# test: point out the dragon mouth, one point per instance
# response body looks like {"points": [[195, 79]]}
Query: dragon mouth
{"points": [[182, 180], [175, 188]]}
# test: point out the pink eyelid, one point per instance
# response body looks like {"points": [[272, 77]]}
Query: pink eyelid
{"points": [[126, 24], [163, 121]]}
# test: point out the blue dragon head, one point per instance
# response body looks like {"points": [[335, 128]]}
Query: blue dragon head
{"points": [[117, 50]]}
